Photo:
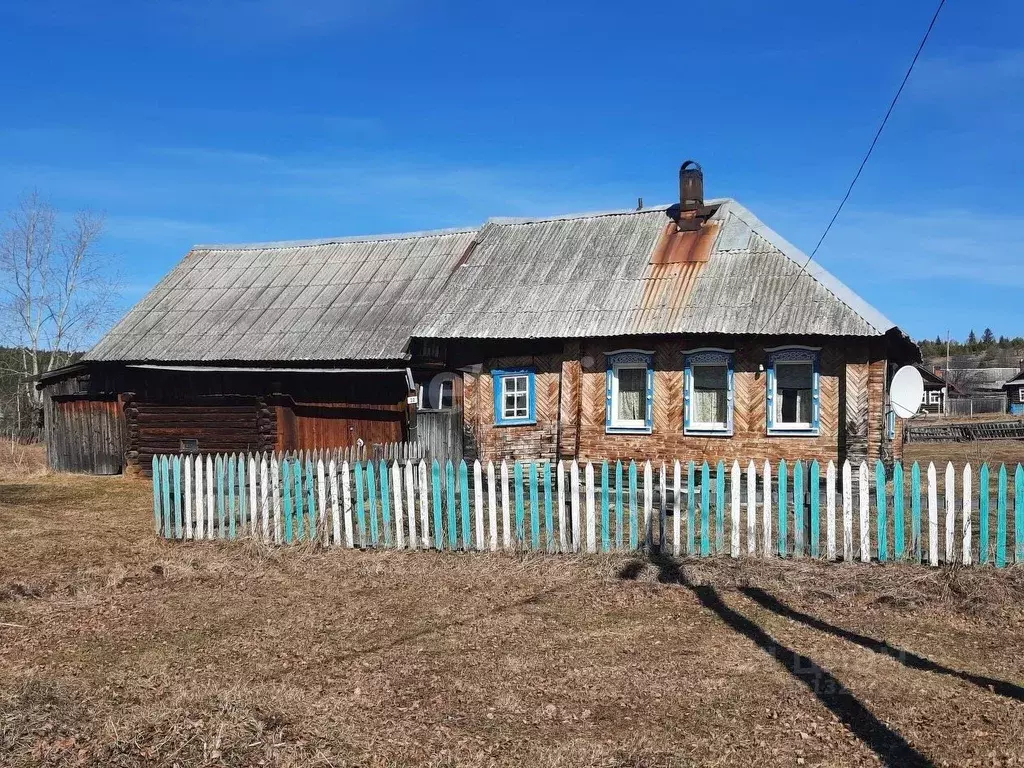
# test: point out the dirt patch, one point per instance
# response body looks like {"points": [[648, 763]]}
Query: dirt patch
{"points": [[119, 649]]}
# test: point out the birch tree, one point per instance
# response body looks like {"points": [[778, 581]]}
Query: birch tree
{"points": [[56, 291]]}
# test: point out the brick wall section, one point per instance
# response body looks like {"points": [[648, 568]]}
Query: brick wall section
{"points": [[573, 384]]}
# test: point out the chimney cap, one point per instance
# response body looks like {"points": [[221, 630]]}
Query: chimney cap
{"points": [[690, 210]]}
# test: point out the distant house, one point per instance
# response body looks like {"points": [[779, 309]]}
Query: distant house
{"points": [[688, 331], [936, 390], [1014, 389]]}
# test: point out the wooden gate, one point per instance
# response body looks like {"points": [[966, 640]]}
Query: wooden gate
{"points": [[85, 436], [440, 433]]}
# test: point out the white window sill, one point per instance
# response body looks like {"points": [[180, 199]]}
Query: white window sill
{"points": [[515, 423], [628, 429], [721, 430], [794, 430]]}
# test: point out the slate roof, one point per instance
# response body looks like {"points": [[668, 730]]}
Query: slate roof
{"points": [[343, 299], [596, 275]]}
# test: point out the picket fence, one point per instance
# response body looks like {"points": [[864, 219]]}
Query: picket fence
{"points": [[762, 511]]}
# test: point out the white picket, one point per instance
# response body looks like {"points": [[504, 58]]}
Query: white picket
{"points": [[321, 507], [646, 533], [506, 510], [346, 504], [751, 509], [734, 489], [396, 495], [830, 510], [209, 497], [265, 497], [933, 516], [275, 479], [563, 525], [574, 504], [864, 490], [677, 510], [766, 510], [332, 470], [410, 501], [200, 502], [966, 529], [492, 507], [424, 505], [188, 497], [950, 510], [591, 510], [847, 512], [478, 503], [662, 508]]}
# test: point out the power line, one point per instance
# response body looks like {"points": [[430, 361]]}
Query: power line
{"points": [[863, 162]]}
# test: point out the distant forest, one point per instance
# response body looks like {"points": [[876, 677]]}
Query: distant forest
{"points": [[986, 350]]}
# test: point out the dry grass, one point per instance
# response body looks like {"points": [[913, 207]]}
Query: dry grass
{"points": [[19, 460], [119, 649], [994, 452]]}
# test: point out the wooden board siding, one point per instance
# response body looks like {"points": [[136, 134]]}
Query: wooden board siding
{"points": [[84, 435], [304, 426], [851, 398]]}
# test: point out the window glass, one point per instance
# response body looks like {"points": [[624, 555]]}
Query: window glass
{"points": [[632, 393], [794, 383], [710, 394], [516, 399], [446, 394]]}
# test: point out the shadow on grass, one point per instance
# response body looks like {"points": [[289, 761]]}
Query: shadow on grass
{"points": [[891, 748], [904, 657]]}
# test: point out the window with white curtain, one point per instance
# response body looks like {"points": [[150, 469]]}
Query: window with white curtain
{"points": [[707, 394], [793, 391], [629, 395]]}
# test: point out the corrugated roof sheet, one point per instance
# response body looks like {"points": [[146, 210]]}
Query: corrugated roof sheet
{"points": [[350, 299], [591, 275]]}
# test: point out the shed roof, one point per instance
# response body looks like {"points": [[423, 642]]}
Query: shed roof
{"points": [[341, 299], [617, 274]]}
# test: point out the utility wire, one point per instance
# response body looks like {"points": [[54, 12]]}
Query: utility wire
{"points": [[863, 162]]}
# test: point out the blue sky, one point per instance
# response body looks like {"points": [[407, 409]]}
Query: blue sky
{"points": [[194, 122]]}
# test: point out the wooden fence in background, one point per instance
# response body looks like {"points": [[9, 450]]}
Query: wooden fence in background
{"points": [[803, 510]]}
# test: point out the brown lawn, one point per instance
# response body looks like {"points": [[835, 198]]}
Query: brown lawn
{"points": [[119, 649]]}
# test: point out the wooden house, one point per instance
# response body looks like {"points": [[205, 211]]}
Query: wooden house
{"points": [[687, 331], [936, 390], [1014, 389]]}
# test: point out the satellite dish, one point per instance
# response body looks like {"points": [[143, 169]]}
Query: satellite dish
{"points": [[906, 392]]}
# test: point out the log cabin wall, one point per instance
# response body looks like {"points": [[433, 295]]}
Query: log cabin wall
{"points": [[570, 405]]}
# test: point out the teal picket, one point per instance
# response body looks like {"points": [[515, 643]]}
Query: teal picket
{"points": [[815, 489], [361, 503], [300, 504], [311, 498], [605, 509], [915, 510], [453, 528], [798, 509], [634, 530], [231, 495], [783, 508], [691, 510], [1001, 519], [534, 508], [719, 508], [983, 512], [619, 529], [549, 514], [464, 503], [157, 518], [243, 496], [221, 528], [165, 487], [176, 471], [1018, 512], [705, 510], [517, 473], [897, 510], [371, 498], [435, 475], [880, 504], [385, 501]]}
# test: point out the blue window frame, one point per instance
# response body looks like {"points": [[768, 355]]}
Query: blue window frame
{"points": [[629, 392], [514, 396], [708, 388], [794, 391]]}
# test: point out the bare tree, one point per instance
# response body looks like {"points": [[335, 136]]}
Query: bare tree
{"points": [[56, 291]]}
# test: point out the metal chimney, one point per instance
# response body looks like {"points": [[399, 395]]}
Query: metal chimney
{"points": [[691, 187]]}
